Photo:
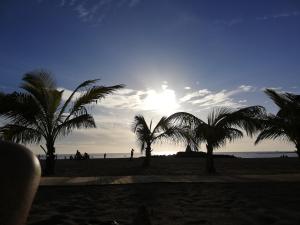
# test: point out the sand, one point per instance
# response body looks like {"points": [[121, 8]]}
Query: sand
{"points": [[175, 166], [171, 203]]}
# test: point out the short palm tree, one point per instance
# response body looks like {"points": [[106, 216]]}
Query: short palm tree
{"points": [[146, 136], [41, 113], [223, 124], [286, 123]]}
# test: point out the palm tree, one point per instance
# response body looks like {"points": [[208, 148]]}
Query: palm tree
{"points": [[222, 125], [146, 136], [286, 123], [41, 113]]}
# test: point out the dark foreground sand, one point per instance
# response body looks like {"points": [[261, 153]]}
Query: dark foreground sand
{"points": [[175, 166], [209, 203], [176, 203]]}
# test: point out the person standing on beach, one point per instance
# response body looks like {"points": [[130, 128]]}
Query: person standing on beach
{"points": [[104, 156], [131, 154]]}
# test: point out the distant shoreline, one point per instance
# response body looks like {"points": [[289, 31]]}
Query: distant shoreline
{"points": [[254, 154]]}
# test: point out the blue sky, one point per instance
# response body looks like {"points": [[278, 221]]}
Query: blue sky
{"points": [[187, 55]]}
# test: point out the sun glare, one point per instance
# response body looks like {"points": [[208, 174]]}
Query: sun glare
{"points": [[163, 102]]}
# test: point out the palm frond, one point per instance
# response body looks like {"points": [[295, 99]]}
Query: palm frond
{"points": [[92, 95], [21, 108], [54, 100], [83, 85], [142, 131], [80, 121], [184, 119], [161, 126], [142, 144], [271, 133], [220, 136], [218, 115], [175, 134], [286, 123], [277, 127], [248, 118], [41, 86], [280, 99], [20, 133], [39, 78], [139, 123], [232, 133]]}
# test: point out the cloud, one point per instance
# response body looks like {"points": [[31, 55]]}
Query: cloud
{"points": [[165, 101], [96, 11], [215, 99], [195, 94], [114, 114], [247, 88], [236, 21], [125, 99], [135, 100], [187, 88], [151, 100], [164, 86], [274, 88], [279, 15], [82, 11], [207, 99], [230, 22]]}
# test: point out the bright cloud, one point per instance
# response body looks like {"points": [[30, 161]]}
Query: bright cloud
{"points": [[195, 94], [247, 88], [114, 114], [165, 101], [205, 98]]}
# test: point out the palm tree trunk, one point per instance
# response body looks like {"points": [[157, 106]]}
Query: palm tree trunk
{"points": [[50, 159], [148, 156], [210, 168]]}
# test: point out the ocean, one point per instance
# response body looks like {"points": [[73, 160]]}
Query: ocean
{"points": [[261, 154]]}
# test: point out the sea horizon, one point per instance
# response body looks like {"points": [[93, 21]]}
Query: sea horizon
{"points": [[252, 154]]}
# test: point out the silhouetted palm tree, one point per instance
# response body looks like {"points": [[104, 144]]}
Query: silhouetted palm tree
{"points": [[286, 123], [146, 136], [223, 124], [41, 113]]}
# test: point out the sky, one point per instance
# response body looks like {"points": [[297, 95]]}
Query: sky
{"points": [[172, 55]]}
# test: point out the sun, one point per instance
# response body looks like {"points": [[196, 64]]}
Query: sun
{"points": [[163, 102]]}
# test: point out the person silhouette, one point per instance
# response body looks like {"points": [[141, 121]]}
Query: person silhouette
{"points": [[131, 154], [86, 156], [78, 155]]}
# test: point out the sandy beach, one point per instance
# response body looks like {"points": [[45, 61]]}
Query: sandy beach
{"points": [[171, 203], [175, 166]]}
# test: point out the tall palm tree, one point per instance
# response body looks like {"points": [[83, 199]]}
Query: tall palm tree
{"points": [[39, 112], [223, 124], [146, 136], [286, 123]]}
